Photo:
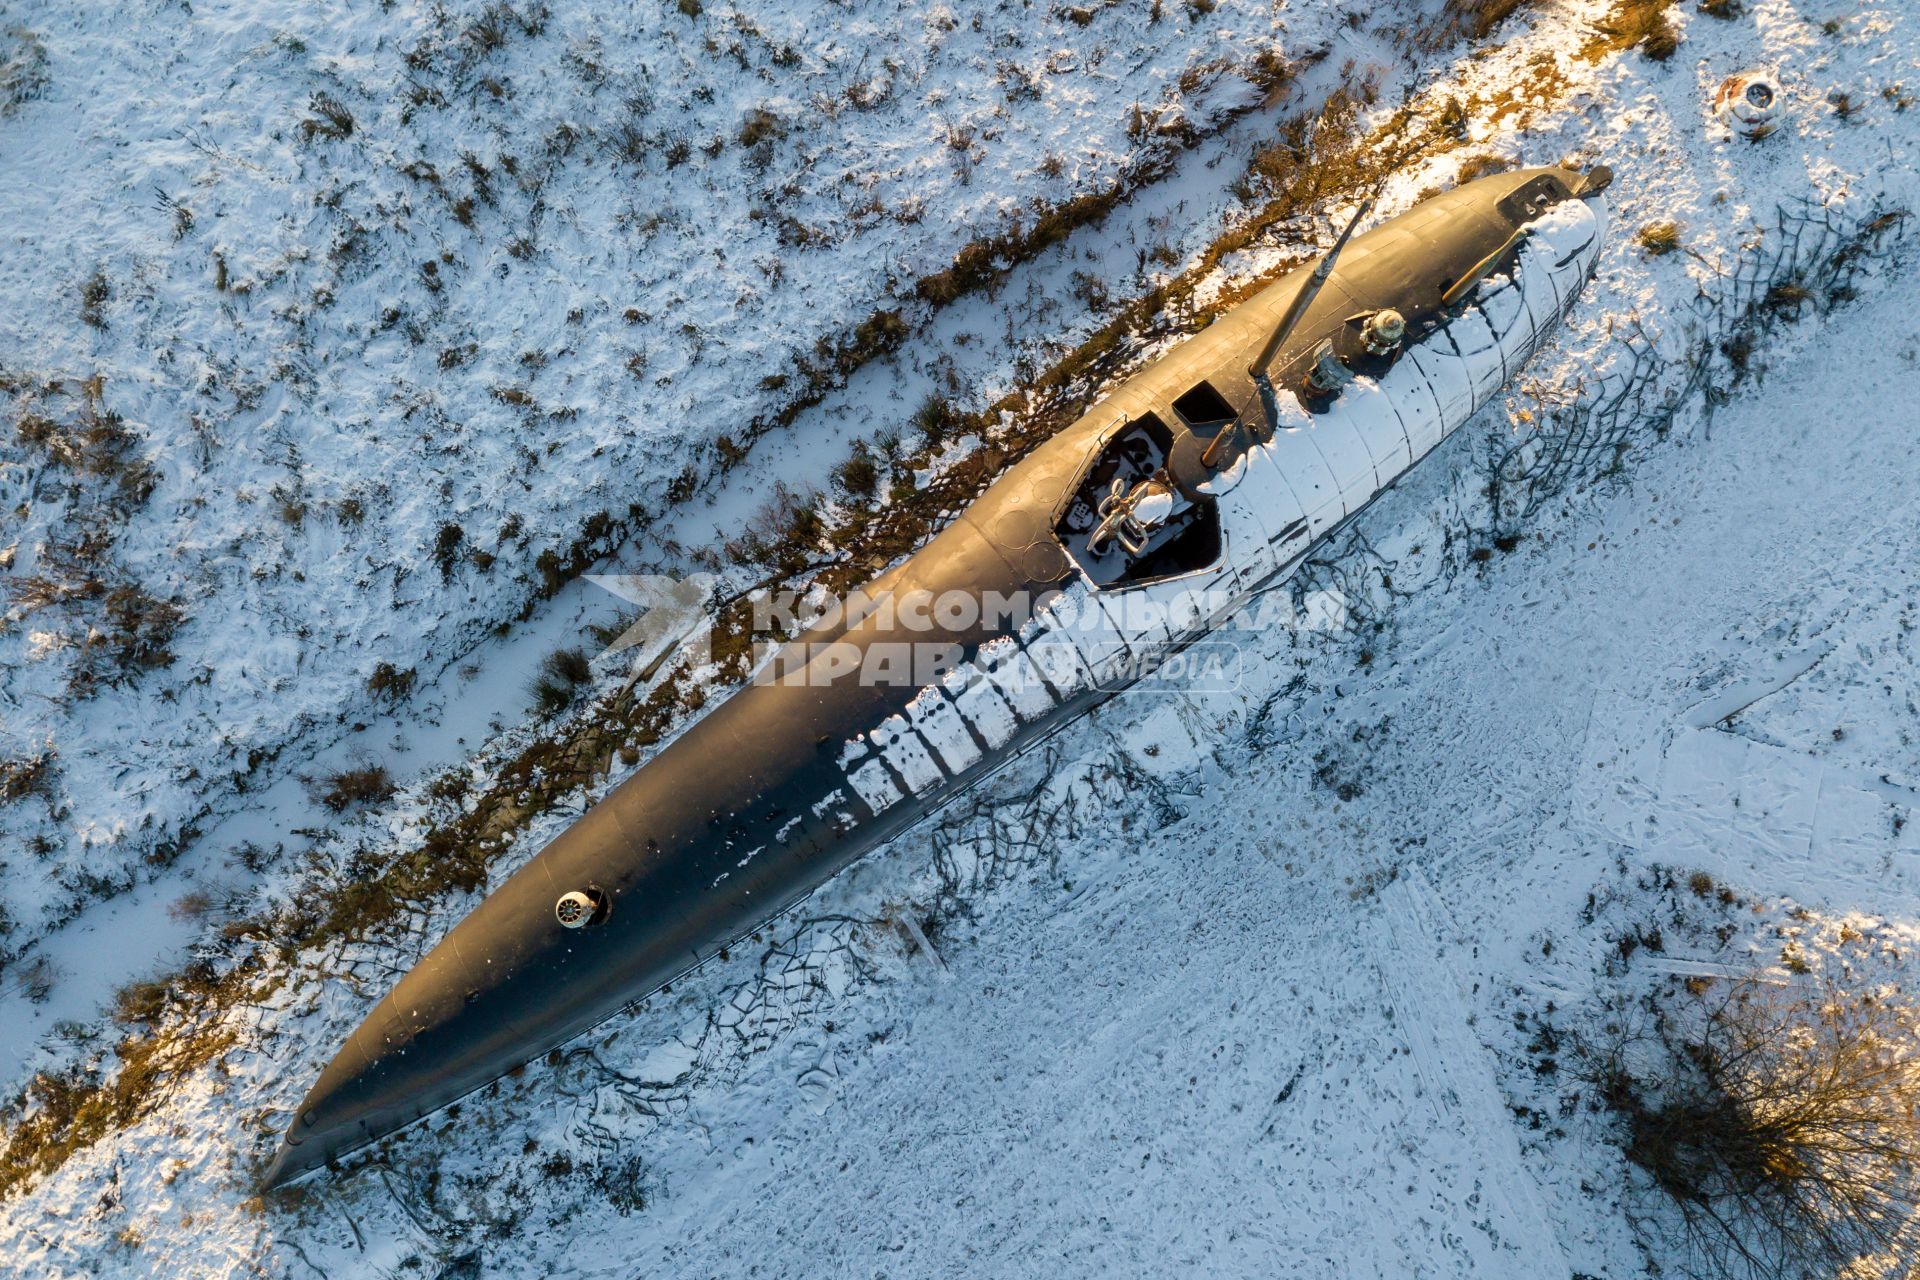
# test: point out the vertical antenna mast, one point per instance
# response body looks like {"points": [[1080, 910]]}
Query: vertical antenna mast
{"points": [[1304, 299], [1288, 320]]}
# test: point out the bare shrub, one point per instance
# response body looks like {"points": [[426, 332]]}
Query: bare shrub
{"points": [[390, 684], [562, 673], [783, 533], [351, 788], [192, 906], [34, 978], [1779, 1121], [330, 119], [23, 69]]}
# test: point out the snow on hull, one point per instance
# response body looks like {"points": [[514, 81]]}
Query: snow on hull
{"points": [[828, 752]]}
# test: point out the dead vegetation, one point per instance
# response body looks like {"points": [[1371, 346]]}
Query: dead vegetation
{"points": [[1310, 158], [331, 120], [1480, 17], [1483, 165], [24, 777], [139, 630], [985, 262], [89, 441], [357, 787], [86, 460], [95, 293], [390, 684], [784, 534], [562, 675], [33, 977], [760, 125], [1778, 1120], [1646, 25], [859, 475], [61, 1112], [23, 69], [1659, 238]]}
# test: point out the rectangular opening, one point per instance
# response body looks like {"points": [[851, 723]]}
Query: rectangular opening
{"points": [[1202, 405]]}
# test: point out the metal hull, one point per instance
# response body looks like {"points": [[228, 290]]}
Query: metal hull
{"points": [[783, 784]]}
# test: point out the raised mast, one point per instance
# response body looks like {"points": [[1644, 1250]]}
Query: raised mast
{"points": [[1288, 320]]}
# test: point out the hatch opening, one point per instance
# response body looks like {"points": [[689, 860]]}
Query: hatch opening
{"points": [[1178, 537], [1204, 405]]}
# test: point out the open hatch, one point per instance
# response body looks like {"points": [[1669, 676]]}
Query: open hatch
{"points": [[1186, 541]]}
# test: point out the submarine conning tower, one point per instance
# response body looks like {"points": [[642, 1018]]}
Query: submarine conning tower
{"points": [[1295, 350], [1363, 306]]}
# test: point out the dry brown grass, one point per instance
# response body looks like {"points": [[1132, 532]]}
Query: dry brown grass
{"points": [[563, 674], [358, 787], [1482, 16], [1646, 25], [23, 777], [330, 120], [90, 455], [1483, 165], [390, 684], [1308, 160], [1659, 238], [63, 1113]]}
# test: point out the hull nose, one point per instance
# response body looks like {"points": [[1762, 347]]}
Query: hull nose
{"points": [[286, 1165], [421, 1047], [453, 1024], [507, 984]]}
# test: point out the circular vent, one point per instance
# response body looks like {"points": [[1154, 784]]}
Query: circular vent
{"points": [[581, 907]]}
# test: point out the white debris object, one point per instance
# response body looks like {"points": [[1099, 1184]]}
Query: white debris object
{"points": [[1749, 103]]}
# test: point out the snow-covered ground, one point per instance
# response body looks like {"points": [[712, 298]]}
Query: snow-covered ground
{"points": [[1235, 983], [390, 302]]}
